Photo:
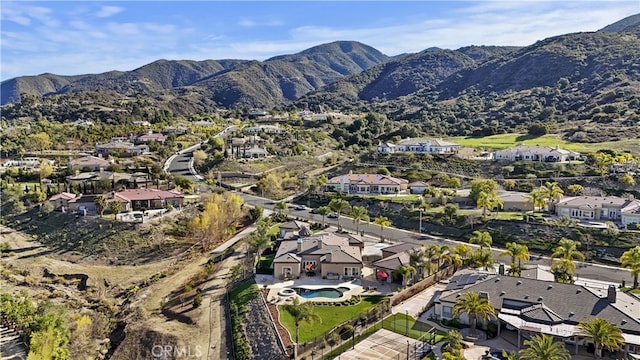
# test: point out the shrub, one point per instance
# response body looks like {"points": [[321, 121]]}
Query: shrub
{"points": [[197, 300]]}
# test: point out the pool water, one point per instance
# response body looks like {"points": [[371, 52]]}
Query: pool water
{"points": [[331, 293]]}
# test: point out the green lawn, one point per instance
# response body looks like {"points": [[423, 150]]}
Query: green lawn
{"points": [[398, 323], [331, 317], [243, 293], [503, 141], [265, 261]]}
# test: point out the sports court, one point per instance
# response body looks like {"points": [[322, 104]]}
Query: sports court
{"points": [[384, 344]]}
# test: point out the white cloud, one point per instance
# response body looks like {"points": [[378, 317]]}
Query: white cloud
{"points": [[249, 23], [108, 11], [123, 28]]}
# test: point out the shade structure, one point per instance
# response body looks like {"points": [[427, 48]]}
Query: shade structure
{"points": [[382, 274]]}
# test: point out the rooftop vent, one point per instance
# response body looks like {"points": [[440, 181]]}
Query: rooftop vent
{"points": [[519, 282], [540, 298], [624, 321], [526, 296], [502, 293], [497, 279], [549, 287], [578, 291], [571, 313]]}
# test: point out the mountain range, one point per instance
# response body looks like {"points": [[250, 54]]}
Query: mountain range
{"points": [[596, 68]]}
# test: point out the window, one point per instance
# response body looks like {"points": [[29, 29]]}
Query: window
{"points": [[446, 312], [351, 271]]}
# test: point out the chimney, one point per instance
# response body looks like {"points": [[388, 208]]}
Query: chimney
{"points": [[483, 295], [611, 294], [299, 249], [328, 255], [501, 269]]}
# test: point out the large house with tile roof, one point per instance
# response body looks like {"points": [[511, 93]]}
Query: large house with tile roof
{"points": [[609, 208], [326, 254], [135, 199], [530, 306], [536, 153], [418, 146], [367, 184]]}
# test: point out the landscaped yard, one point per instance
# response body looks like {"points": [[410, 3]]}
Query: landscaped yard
{"points": [[331, 316]]}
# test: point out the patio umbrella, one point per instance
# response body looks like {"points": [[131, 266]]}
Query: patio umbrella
{"points": [[382, 274]]}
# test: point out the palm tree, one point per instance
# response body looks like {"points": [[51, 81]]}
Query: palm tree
{"points": [[568, 249], [563, 270], [382, 221], [464, 251], [453, 258], [553, 192], [603, 334], [481, 238], [519, 252], [324, 211], [542, 347], [483, 258], [430, 254], [300, 312], [281, 206], [630, 259], [359, 213], [406, 272], [488, 200], [475, 307], [321, 181], [101, 204], [339, 206], [536, 197], [513, 355], [417, 260]]}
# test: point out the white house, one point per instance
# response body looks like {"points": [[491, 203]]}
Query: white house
{"points": [[367, 184], [536, 153], [419, 145], [598, 208]]}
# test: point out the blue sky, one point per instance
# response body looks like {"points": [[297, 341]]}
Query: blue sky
{"points": [[79, 37]]}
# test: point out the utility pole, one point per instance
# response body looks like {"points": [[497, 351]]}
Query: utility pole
{"points": [[421, 221]]}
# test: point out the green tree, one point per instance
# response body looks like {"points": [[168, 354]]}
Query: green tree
{"points": [[542, 347], [45, 170], [575, 189], [537, 198], [630, 259], [482, 185], [603, 334], [261, 239], [324, 211], [567, 249], [101, 204], [517, 252], [475, 307], [39, 141], [340, 206], [451, 212], [453, 343], [563, 270], [488, 200], [280, 207], [482, 238], [359, 213], [406, 272], [382, 221], [321, 181], [552, 192], [627, 180], [115, 207], [464, 251], [300, 312]]}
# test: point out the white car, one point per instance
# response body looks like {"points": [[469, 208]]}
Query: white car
{"points": [[300, 207]]}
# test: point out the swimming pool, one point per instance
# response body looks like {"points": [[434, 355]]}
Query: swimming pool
{"points": [[331, 293]]}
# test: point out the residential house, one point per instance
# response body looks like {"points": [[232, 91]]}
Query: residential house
{"points": [[609, 208], [393, 257], [367, 184], [529, 307], [255, 152], [150, 137], [515, 201], [176, 130], [136, 199], [536, 153], [61, 201], [327, 255], [266, 129], [418, 187], [419, 146], [89, 162], [28, 162], [292, 229], [631, 217], [121, 148]]}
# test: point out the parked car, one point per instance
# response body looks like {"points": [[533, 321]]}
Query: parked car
{"points": [[333, 215], [300, 207]]}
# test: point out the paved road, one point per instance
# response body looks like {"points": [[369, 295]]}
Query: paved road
{"points": [[584, 270]]}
